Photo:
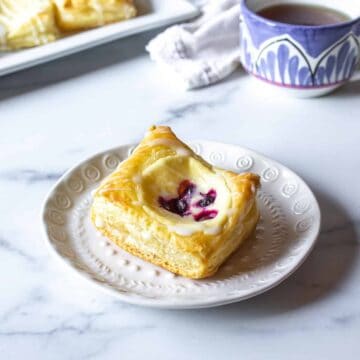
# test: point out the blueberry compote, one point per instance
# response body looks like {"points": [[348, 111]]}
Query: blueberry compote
{"points": [[184, 204]]}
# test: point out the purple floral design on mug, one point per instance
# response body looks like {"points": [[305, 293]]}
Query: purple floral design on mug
{"points": [[298, 56]]}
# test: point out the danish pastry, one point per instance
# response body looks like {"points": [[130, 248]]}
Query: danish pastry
{"points": [[27, 23], [83, 14], [168, 206]]}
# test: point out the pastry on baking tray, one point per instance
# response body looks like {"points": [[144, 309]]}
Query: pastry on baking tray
{"points": [[27, 23], [83, 14], [170, 207]]}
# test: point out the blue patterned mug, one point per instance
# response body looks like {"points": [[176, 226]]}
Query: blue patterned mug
{"points": [[308, 60]]}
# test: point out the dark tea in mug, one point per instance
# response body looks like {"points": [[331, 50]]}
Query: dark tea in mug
{"points": [[308, 15]]}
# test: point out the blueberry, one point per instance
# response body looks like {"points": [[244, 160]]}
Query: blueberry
{"points": [[180, 207], [176, 206], [186, 189], [208, 199], [205, 215], [181, 204]]}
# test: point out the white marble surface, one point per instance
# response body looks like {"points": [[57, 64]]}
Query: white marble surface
{"points": [[55, 115]]}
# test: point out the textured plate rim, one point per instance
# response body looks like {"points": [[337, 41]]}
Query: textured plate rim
{"points": [[165, 303]]}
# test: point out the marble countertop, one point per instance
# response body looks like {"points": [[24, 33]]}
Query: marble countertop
{"points": [[54, 115]]}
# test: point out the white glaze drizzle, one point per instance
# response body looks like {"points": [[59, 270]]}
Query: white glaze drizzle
{"points": [[190, 229], [182, 230], [213, 230], [181, 151]]}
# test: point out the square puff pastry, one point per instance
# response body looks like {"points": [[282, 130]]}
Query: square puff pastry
{"points": [[83, 14], [27, 23], [168, 206]]}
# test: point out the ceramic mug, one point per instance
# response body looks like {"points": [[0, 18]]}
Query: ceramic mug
{"points": [[305, 60]]}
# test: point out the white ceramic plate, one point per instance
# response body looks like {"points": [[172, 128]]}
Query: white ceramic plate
{"points": [[287, 230], [152, 14]]}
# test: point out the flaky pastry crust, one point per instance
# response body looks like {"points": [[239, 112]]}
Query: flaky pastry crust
{"points": [[126, 207]]}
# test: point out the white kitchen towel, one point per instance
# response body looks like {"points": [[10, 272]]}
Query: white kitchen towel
{"points": [[204, 51]]}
